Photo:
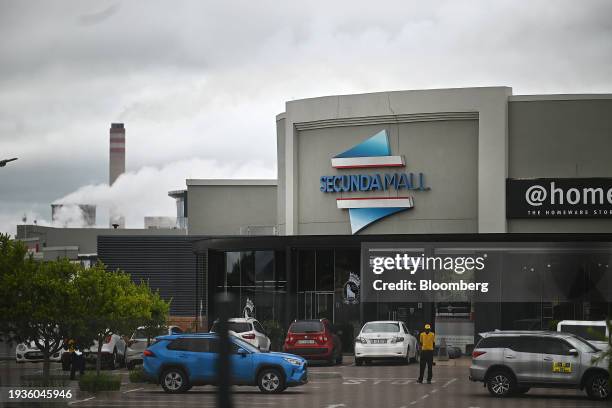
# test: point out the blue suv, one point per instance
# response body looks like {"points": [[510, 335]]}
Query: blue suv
{"points": [[180, 361]]}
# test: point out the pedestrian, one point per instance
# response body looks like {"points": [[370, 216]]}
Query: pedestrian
{"points": [[77, 359], [427, 341]]}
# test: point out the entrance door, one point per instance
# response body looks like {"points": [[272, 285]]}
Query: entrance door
{"points": [[318, 305]]}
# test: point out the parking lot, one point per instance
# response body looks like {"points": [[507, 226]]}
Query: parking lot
{"points": [[378, 385]]}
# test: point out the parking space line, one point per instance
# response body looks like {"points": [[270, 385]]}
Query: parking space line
{"points": [[79, 401], [433, 391], [135, 389], [449, 382]]}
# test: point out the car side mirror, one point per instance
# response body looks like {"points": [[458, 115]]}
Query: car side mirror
{"points": [[242, 352], [573, 352]]}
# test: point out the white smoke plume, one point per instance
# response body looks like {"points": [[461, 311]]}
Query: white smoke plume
{"points": [[137, 194], [144, 192]]}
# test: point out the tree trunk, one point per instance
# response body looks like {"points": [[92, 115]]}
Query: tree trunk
{"points": [[99, 359], [46, 364], [46, 360]]}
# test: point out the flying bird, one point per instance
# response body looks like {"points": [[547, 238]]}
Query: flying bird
{"points": [[3, 162]]}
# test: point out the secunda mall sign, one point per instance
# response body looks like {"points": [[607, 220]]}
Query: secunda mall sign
{"points": [[559, 198]]}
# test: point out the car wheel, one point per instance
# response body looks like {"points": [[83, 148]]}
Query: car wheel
{"points": [[270, 381], [174, 381], [358, 361], [501, 384], [597, 387]]}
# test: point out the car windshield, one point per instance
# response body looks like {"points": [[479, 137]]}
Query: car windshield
{"points": [[583, 345], [243, 344], [379, 327], [592, 333], [306, 327], [236, 327]]}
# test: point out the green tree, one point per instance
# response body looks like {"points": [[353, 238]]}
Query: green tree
{"points": [[109, 303], [36, 298], [157, 323]]}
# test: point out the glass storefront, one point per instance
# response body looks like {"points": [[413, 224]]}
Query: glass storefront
{"points": [[564, 281]]}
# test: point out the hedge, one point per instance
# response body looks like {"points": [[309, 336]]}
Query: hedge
{"points": [[104, 382]]}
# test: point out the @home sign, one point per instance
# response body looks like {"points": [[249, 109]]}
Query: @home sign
{"points": [[559, 198]]}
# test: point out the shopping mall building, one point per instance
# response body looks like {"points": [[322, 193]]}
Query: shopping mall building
{"points": [[520, 185]]}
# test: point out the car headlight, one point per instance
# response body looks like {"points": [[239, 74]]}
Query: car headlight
{"points": [[293, 361], [21, 347]]}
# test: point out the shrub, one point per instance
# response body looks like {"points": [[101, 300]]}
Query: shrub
{"points": [[276, 333], [103, 382], [137, 375]]}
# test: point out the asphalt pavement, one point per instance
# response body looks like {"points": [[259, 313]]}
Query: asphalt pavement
{"points": [[378, 385]]}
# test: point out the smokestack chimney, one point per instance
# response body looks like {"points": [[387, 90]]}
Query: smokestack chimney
{"points": [[116, 165], [117, 152]]}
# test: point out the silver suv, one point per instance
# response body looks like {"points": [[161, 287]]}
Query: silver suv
{"points": [[510, 362]]}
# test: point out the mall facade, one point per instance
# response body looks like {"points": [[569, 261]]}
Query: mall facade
{"points": [[524, 182]]}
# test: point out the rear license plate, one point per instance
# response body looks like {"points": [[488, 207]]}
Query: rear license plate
{"points": [[306, 341], [379, 341]]}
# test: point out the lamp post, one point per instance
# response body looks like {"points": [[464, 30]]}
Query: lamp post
{"points": [[3, 162]]}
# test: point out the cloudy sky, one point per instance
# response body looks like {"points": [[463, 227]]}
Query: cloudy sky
{"points": [[198, 84]]}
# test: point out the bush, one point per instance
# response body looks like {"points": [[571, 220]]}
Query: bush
{"points": [[35, 380], [276, 333], [137, 375], [103, 382]]}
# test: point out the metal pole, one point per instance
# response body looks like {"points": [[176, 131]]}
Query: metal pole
{"points": [[224, 397]]}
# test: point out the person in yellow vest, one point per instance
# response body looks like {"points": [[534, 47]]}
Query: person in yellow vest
{"points": [[427, 341]]}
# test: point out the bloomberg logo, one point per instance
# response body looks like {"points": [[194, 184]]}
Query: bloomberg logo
{"points": [[551, 198], [374, 152]]}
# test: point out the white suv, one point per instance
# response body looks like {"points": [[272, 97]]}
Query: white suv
{"points": [[248, 329], [113, 351]]}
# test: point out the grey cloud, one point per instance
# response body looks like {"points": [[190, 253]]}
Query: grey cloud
{"points": [[99, 16], [205, 79]]}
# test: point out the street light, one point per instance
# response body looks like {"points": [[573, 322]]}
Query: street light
{"points": [[3, 162]]}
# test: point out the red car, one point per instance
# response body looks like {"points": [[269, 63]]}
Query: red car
{"points": [[314, 340]]}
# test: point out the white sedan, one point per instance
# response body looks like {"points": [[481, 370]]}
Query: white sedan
{"points": [[382, 340], [29, 352]]}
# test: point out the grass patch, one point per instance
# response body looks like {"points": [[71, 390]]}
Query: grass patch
{"points": [[104, 382], [137, 375]]}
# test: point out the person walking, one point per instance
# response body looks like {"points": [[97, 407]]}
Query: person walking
{"points": [[77, 359], [427, 341]]}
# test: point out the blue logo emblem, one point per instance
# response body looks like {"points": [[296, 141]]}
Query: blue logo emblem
{"points": [[374, 152]]}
